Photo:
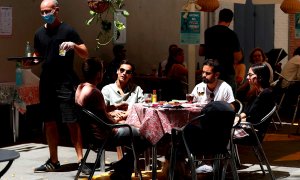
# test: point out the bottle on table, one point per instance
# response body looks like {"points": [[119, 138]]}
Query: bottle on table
{"points": [[28, 50], [154, 96]]}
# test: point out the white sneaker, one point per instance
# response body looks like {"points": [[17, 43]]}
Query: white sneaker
{"points": [[204, 169]]}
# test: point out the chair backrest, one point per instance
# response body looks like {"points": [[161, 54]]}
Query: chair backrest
{"points": [[238, 106], [213, 128], [94, 129], [263, 124]]}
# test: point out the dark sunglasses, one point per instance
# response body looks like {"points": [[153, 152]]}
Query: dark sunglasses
{"points": [[126, 71]]}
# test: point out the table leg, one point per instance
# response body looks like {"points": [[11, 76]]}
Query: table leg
{"points": [[17, 123], [154, 162], [12, 120], [147, 159], [3, 171]]}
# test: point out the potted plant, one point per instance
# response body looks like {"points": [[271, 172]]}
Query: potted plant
{"points": [[99, 11]]}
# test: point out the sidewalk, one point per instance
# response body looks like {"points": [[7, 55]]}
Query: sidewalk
{"points": [[283, 154]]}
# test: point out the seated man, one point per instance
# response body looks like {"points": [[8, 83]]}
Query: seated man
{"points": [[212, 88], [88, 96], [123, 93]]}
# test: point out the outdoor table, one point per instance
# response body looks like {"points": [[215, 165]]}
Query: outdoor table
{"points": [[155, 122], [7, 155]]}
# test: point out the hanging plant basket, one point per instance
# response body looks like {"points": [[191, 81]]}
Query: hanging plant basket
{"points": [[99, 10], [98, 6]]}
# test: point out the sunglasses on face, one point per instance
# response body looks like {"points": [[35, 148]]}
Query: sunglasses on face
{"points": [[126, 71]]}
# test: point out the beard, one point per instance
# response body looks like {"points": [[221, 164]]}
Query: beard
{"points": [[205, 80]]}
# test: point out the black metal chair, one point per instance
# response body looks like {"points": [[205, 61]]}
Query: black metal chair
{"points": [[213, 135], [291, 86], [90, 125], [256, 133]]}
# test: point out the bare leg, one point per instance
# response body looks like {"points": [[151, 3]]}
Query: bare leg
{"points": [[76, 138], [52, 139]]}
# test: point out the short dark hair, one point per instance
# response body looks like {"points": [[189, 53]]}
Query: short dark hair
{"points": [[297, 51], [225, 15], [262, 72], [213, 63], [91, 67], [128, 63]]}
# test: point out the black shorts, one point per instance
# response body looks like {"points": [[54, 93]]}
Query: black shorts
{"points": [[57, 102]]}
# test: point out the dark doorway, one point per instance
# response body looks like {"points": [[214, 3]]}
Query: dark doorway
{"points": [[254, 25]]}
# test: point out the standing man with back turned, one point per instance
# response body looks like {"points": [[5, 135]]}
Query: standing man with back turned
{"points": [[58, 79], [223, 44]]}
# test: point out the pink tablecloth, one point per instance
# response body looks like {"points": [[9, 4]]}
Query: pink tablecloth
{"points": [[155, 122]]}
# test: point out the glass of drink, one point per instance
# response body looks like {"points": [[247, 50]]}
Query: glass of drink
{"points": [[148, 98], [62, 52], [189, 98]]}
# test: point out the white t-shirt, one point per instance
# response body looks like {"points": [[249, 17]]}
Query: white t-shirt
{"points": [[222, 92]]}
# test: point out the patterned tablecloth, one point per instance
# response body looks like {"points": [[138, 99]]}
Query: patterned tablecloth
{"points": [[20, 96], [155, 122]]}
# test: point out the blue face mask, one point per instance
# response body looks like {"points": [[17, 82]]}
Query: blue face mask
{"points": [[49, 18]]}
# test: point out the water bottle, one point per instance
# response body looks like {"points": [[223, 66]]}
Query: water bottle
{"points": [[27, 50], [19, 74]]}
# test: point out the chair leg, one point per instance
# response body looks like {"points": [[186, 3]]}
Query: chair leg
{"points": [[233, 167], [294, 116], [278, 117], [261, 151], [274, 124], [82, 163], [236, 155], [259, 158], [99, 154]]}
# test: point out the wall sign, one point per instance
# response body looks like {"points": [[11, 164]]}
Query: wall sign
{"points": [[190, 28], [5, 21]]}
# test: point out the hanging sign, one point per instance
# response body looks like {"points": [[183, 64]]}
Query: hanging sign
{"points": [[190, 28]]}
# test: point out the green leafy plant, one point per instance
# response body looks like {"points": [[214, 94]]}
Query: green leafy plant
{"points": [[99, 12]]}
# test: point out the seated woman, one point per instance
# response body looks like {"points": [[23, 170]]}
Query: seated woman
{"points": [[123, 93], [88, 96], [176, 70], [261, 104], [246, 91]]}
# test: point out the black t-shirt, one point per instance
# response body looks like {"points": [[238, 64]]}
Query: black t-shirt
{"points": [[220, 43], [46, 43]]}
